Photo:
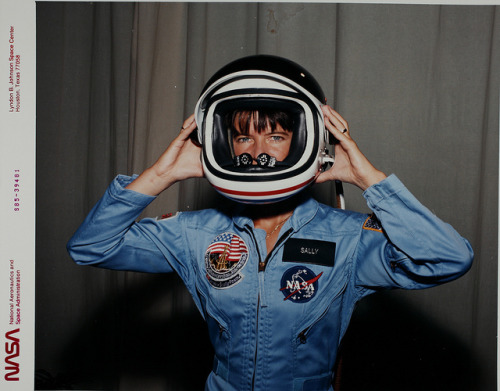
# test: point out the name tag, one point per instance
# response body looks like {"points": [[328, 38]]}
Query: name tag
{"points": [[318, 252]]}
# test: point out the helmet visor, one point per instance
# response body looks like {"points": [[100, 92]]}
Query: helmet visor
{"points": [[236, 122]]}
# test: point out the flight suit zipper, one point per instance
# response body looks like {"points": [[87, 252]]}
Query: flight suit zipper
{"points": [[252, 235], [262, 265], [261, 269]]}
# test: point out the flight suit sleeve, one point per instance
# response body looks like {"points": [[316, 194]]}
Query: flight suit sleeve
{"points": [[404, 245], [111, 238]]}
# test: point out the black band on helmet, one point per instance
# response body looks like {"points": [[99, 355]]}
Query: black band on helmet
{"points": [[273, 64]]}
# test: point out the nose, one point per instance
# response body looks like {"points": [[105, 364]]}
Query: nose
{"points": [[259, 147]]}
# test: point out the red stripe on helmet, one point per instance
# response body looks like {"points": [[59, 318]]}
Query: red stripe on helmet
{"points": [[263, 193]]}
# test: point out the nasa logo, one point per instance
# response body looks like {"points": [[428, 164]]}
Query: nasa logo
{"points": [[299, 284], [12, 350], [224, 259]]}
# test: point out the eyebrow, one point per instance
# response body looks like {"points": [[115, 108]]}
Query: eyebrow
{"points": [[280, 131]]}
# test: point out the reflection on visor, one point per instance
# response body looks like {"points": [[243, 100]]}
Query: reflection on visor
{"points": [[263, 160]]}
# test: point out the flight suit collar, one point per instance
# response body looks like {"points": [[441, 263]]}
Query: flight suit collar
{"points": [[303, 213]]}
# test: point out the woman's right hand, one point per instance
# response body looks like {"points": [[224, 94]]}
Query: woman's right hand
{"points": [[181, 160]]}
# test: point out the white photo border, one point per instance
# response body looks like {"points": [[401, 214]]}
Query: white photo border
{"points": [[17, 185]]}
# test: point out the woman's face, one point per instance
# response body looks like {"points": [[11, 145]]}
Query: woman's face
{"points": [[275, 142]]}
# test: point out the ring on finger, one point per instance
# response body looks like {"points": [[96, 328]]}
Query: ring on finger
{"points": [[345, 130]]}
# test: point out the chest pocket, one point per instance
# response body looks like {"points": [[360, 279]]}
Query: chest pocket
{"points": [[219, 332], [316, 331], [330, 291], [316, 274]]}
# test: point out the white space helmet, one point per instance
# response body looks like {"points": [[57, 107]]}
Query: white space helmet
{"points": [[266, 83]]}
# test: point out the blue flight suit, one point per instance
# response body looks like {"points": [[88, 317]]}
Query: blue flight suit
{"points": [[276, 320]]}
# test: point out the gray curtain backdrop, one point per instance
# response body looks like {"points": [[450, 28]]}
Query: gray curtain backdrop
{"points": [[419, 85]]}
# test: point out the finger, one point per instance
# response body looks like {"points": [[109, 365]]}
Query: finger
{"points": [[324, 177], [187, 128], [188, 122], [336, 128], [337, 116], [335, 119]]}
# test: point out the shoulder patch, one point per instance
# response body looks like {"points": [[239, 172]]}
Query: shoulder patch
{"points": [[167, 216], [372, 223]]}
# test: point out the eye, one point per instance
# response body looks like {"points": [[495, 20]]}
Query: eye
{"points": [[278, 137], [243, 139]]}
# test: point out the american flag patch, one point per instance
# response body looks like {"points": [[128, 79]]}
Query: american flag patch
{"points": [[229, 244], [224, 258]]}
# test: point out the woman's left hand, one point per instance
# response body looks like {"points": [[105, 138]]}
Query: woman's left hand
{"points": [[350, 166]]}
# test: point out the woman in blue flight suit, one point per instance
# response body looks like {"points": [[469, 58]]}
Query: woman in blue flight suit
{"points": [[275, 274]]}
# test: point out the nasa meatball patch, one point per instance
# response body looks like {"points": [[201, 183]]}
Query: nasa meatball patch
{"points": [[299, 284], [226, 255]]}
